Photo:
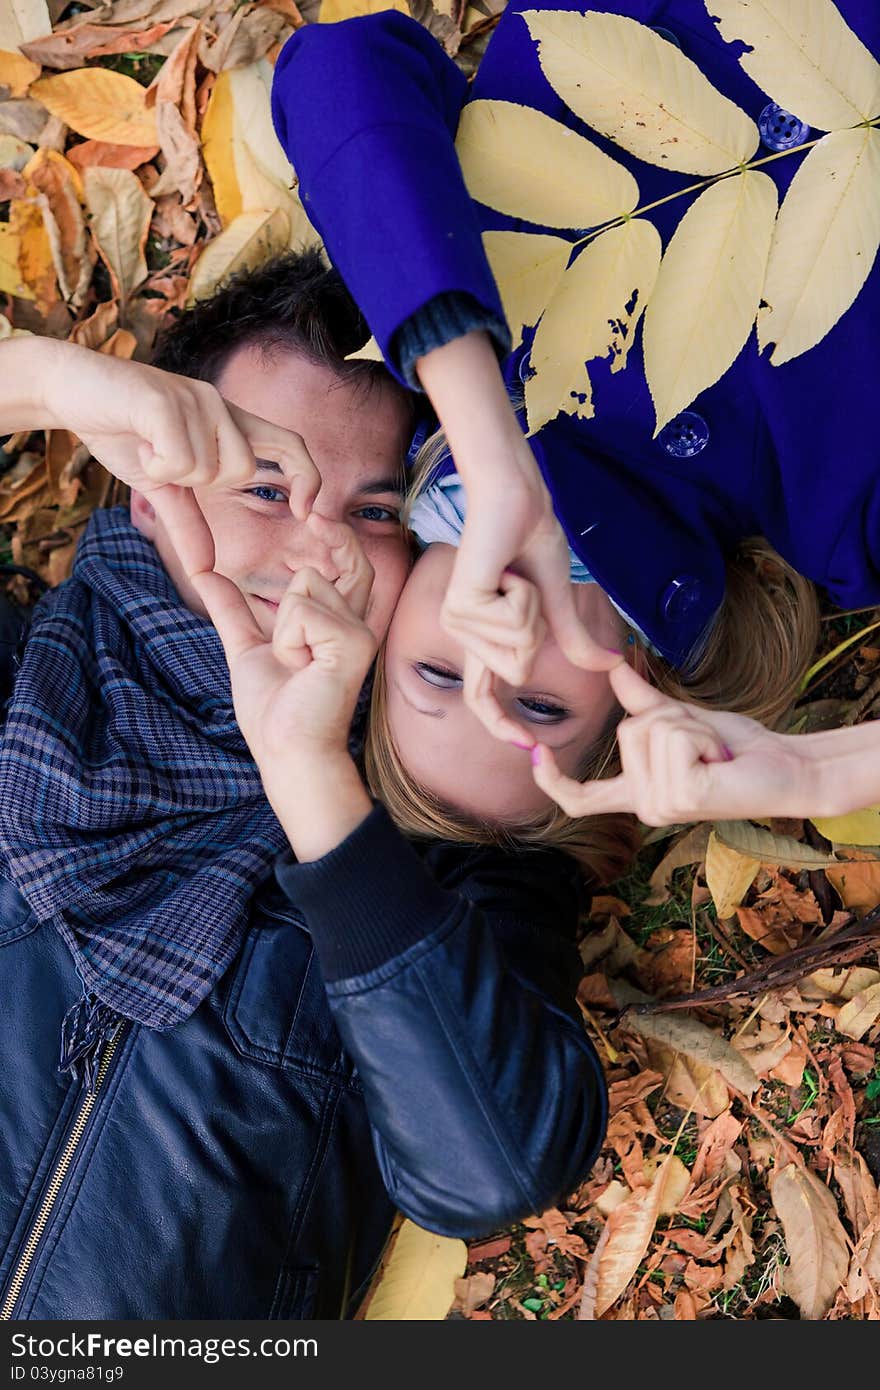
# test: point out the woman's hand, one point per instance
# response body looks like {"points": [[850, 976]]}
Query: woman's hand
{"points": [[510, 523], [147, 427], [681, 763]]}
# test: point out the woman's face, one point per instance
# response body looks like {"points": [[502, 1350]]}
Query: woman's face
{"points": [[443, 745]]}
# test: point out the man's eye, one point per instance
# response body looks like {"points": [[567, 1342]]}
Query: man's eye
{"points": [[542, 711], [437, 676], [378, 513], [267, 494]]}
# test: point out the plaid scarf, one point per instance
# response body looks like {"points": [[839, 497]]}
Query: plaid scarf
{"points": [[131, 812]]}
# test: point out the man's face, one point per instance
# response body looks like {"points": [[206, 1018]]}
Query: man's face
{"points": [[356, 435]]}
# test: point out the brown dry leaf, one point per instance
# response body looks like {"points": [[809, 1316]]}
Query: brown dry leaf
{"points": [[790, 1069], [473, 1291], [618, 1255], [858, 1014], [17, 72], [859, 1190], [693, 1039], [758, 842], [689, 848], [669, 962], [777, 932], [98, 152], [691, 1084], [729, 875], [672, 1180], [60, 194], [23, 117], [23, 20], [245, 38], [181, 152], [120, 222], [100, 104], [857, 882], [840, 983], [814, 1238], [716, 1142], [555, 1226]]}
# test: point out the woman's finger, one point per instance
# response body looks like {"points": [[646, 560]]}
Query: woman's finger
{"points": [[550, 570], [598, 798], [288, 450], [637, 695], [481, 697]]}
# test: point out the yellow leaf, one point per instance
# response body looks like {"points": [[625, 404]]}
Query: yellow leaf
{"points": [[593, 313], [99, 103], [17, 72], [814, 1238], [35, 260], [418, 1282], [639, 90], [857, 884], [23, 20], [859, 1013], [803, 55], [521, 162], [527, 269], [729, 875], [370, 352], [672, 1179], [120, 221], [857, 828], [708, 290], [10, 272], [248, 241], [694, 1040], [332, 11], [825, 242], [842, 982], [218, 133]]}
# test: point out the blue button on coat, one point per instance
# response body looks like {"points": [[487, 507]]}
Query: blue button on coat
{"points": [[367, 111]]}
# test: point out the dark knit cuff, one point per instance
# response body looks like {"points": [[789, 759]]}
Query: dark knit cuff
{"points": [[443, 318], [368, 900]]}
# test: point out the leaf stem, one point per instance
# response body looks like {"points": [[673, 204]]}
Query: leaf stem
{"points": [[706, 183]]}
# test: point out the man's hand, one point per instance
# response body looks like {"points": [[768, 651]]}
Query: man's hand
{"points": [[681, 764], [149, 427]]}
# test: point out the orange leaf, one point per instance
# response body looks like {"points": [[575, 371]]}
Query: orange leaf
{"points": [[98, 152], [17, 72]]}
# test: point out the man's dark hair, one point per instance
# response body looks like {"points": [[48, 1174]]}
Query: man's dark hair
{"points": [[293, 301]]}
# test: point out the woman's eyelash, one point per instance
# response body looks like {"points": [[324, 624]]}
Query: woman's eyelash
{"points": [[543, 711], [437, 676], [390, 513]]}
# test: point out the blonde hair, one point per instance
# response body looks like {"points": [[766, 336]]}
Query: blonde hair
{"points": [[750, 661]]}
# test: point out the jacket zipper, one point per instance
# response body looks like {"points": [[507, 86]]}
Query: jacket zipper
{"points": [[56, 1182]]}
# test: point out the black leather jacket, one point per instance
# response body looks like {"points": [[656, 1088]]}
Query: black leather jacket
{"points": [[398, 1029]]}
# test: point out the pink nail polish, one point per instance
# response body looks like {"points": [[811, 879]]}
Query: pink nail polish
{"points": [[728, 754], [526, 747], [536, 756]]}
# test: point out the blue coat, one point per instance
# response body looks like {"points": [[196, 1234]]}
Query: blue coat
{"points": [[396, 1030], [367, 111]]}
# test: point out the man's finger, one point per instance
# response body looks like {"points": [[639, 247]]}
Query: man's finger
{"points": [[598, 798], [186, 527], [356, 574], [225, 605]]}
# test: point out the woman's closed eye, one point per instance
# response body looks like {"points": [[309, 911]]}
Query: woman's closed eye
{"points": [[538, 709]]}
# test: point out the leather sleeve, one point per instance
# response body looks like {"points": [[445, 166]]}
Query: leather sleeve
{"points": [[451, 978]]}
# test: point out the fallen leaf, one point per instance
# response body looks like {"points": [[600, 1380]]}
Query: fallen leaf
{"points": [[816, 67], [859, 1013], [824, 244], [17, 72], [120, 222], [248, 241], [23, 20], [592, 314], [520, 162], [858, 828], [857, 883], [99, 103], [472, 1291], [418, 1279], [729, 875], [695, 1040], [689, 848], [814, 1238], [639, 90], [618, 1255], [757, 842], [97, 152]]}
